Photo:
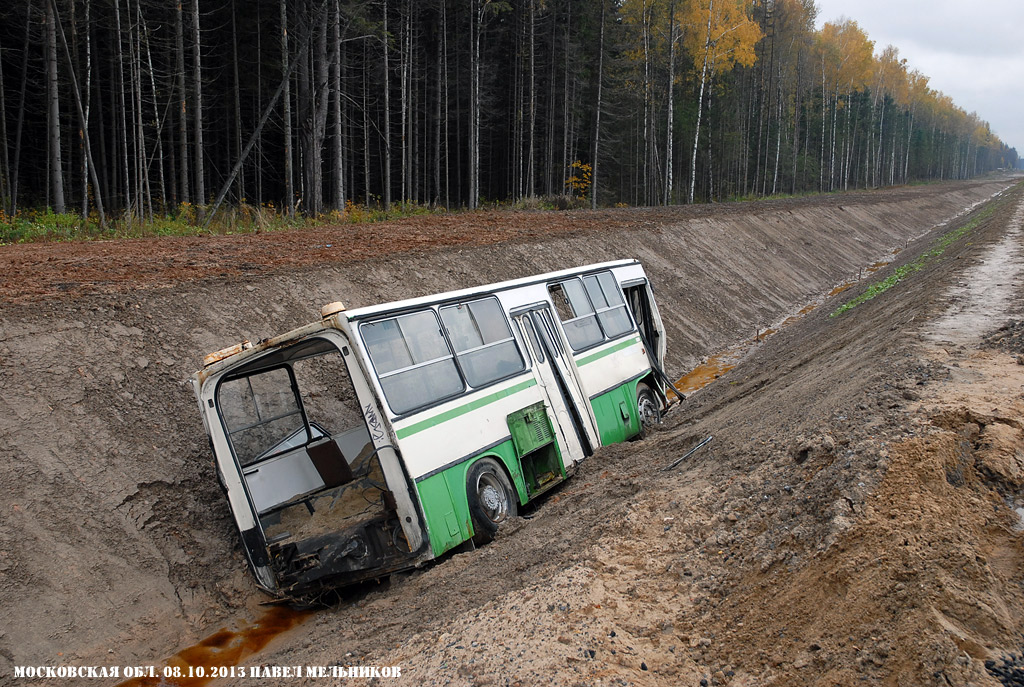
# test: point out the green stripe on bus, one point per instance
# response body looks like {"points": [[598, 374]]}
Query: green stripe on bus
{"points": [[607, 351], [463, 409]]}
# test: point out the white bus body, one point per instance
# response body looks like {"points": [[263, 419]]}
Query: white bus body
{"points": [[379, 438]]}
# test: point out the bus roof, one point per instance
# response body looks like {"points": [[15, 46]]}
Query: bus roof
{"points": [[410, 303]]}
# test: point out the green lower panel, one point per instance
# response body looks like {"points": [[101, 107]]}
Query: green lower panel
{"points": [[445, 504], [616, 413]]}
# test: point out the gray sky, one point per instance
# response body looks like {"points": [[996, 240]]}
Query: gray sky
{"points": [[973, 50]]}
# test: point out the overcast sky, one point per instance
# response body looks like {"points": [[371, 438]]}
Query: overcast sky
{"points": [[972, 50]]}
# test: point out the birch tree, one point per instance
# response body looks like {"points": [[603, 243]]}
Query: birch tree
{"points": [[724, 36]]}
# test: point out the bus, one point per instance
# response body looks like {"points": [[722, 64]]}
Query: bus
{"points": [[378, 438]]}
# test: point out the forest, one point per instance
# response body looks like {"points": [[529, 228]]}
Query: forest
{"points": [[131, 110]]}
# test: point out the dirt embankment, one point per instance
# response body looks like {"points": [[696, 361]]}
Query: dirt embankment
{"points": [[115, 537]]}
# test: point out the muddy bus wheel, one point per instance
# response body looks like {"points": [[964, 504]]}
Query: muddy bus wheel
{"points": [[647, 405], [491, 499]]}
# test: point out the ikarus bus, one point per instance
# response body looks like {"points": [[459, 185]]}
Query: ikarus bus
{"points": [[379, 438]]}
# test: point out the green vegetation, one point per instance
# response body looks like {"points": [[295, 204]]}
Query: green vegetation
{"points": [[43, 225], [904, 271]]}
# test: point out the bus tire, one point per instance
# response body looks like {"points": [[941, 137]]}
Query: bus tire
{"points": [[491, 498], [648, 408]]}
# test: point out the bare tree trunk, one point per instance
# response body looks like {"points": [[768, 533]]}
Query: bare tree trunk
{"points": [[531, 142], [517, 164], [366, 132], [238, 100], [87, 104], [339, 132], [16, 164], [711, 159], [700, 102], [447, 166], [387, 115], [778, 134], [549, 129], [143, 190], [646, 10], [824, 109], [258, 165], [198, 86], [289, 176], [566, 105], [403, 107], [157, 122], [183, 164], [832, 154], [5, 163], [313, 108], [796, 128], [53, 112], [596, 138], [670, 106], [910, 138], [474, 104], [304, 116], [439, 96]]}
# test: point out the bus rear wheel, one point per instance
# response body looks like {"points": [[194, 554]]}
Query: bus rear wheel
{"points": [[491, 499], [647, 405]]}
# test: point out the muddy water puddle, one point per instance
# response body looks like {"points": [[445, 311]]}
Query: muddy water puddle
{"points": [[985, 294], [218, 655], [720, 363]]}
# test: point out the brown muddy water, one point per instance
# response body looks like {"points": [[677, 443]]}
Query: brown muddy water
{"points": [[217, 656]]}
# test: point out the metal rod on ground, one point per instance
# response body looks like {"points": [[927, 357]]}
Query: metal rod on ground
{"points": [[688, 453]]}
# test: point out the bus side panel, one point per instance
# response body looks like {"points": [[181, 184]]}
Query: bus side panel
{"points": [[445, 502], [609, 375], [617, 416]]}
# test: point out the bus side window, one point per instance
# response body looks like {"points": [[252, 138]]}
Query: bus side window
{"points": [[610, 306], [412, 360], [483, 342], [576, 313]]}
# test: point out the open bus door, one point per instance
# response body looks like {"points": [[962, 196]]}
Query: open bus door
{"points": [[640, 300], [574, 438]]}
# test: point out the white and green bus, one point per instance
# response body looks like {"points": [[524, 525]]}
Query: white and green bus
{"points": [[379, 438]]}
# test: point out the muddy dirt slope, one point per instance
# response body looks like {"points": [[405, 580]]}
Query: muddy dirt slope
{"points": [[855, 520], [115, 540]]}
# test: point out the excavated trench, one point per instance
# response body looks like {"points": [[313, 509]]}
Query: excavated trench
{"points": [[116, 542]]}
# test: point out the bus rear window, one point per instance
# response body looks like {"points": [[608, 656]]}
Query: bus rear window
{"points": [[261, 412], [413, 362]]}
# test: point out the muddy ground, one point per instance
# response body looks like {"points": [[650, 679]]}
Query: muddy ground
{"points": [[853, 518]]}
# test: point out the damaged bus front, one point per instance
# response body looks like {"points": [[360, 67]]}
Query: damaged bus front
{"points": [[317, 490]]}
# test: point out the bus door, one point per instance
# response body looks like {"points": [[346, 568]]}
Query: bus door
{"points": [[549, 360], [645, 313]]}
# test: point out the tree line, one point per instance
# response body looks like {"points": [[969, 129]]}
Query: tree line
{"points": [[144, 107]]}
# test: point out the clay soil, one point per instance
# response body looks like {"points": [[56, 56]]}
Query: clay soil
{"points": [[853, 521]]}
